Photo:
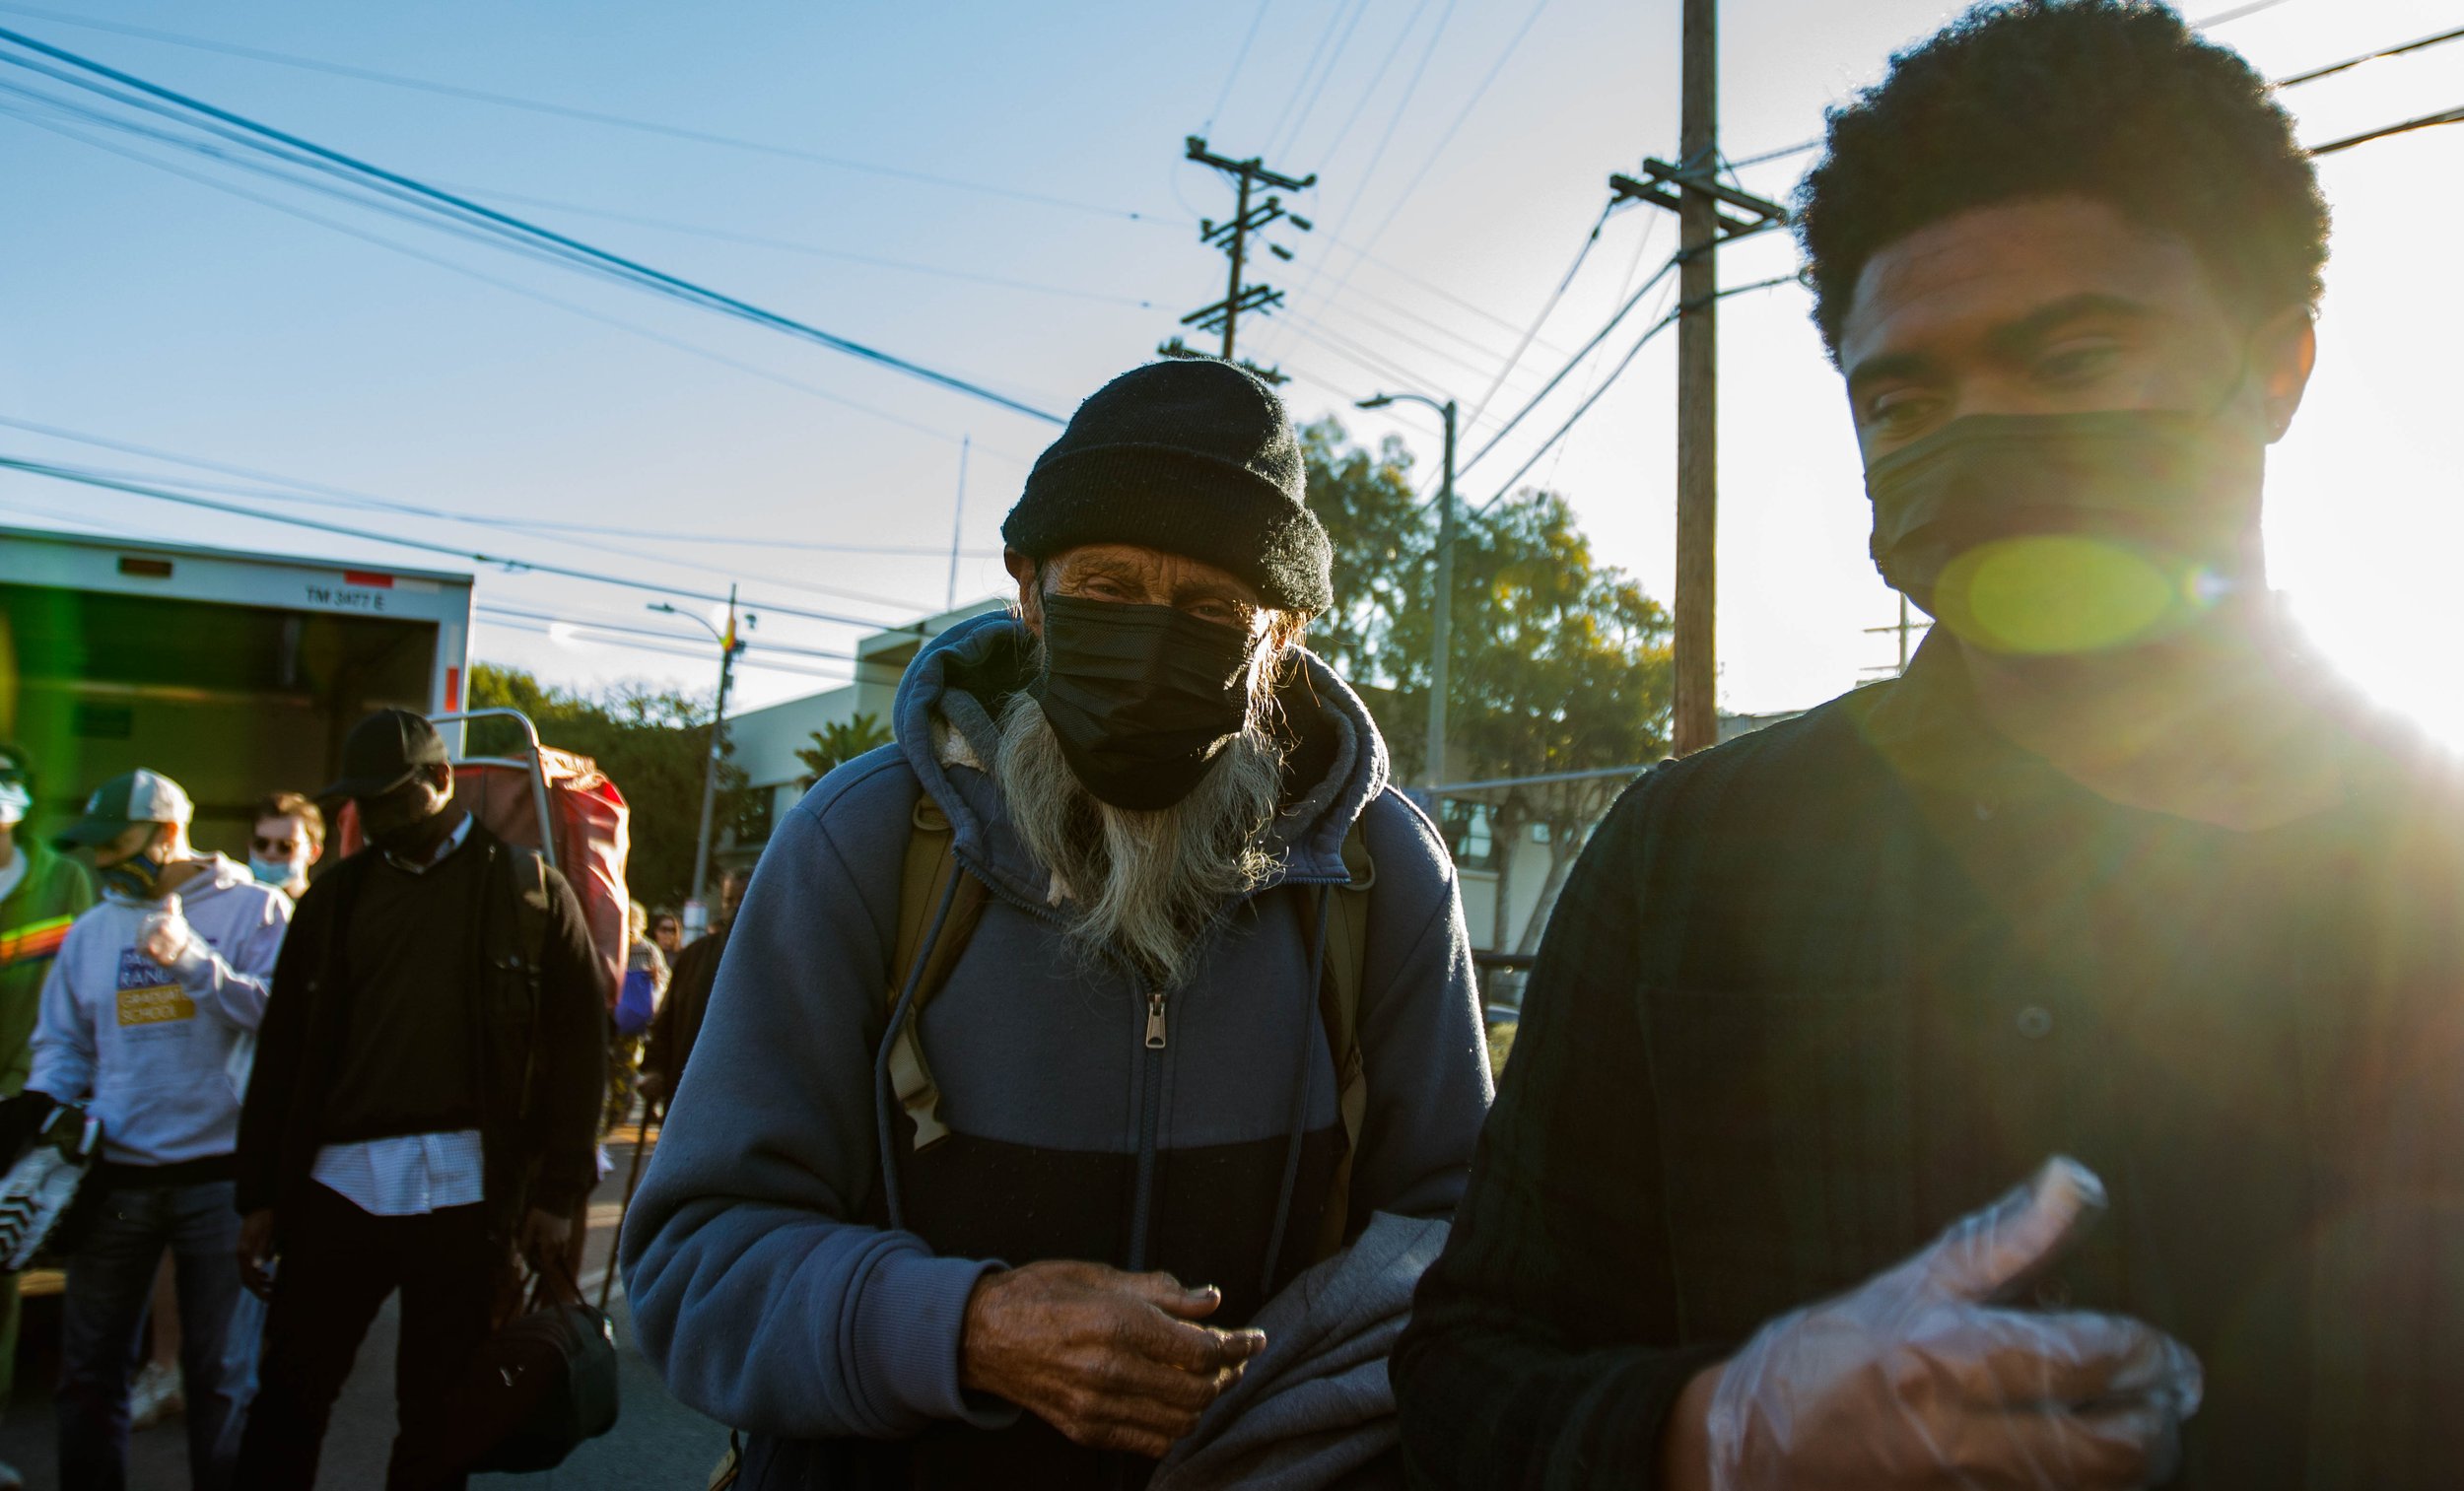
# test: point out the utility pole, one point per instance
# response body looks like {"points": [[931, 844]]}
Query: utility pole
{"points": [[1692, 190], [1908, 628], [1232, 236], [729, 644], [958, 521], [1442, 614]]}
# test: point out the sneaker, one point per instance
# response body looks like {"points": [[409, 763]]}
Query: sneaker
{"points": [[152, 1397]]}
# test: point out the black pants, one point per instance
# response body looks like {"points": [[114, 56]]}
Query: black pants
{"points": [[338, 1264]]}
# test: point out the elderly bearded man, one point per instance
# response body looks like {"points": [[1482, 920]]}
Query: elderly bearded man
{"points": [[1156, 790]]}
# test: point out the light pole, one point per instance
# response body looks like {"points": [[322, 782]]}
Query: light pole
{"points": [[1441, 622], [728, 646]]}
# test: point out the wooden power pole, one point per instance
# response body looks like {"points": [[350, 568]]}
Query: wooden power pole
{"points": [[1696, 607], [1691, 188], [1232, 236]]}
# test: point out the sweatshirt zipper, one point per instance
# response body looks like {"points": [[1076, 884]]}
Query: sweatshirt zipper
{"points": [[1156, 1038], [1151, 1083]]}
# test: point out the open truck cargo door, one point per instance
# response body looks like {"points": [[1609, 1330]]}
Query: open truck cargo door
{"points": [[236, 674]]}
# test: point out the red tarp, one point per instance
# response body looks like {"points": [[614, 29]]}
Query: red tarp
{"points": [[594, 837]]}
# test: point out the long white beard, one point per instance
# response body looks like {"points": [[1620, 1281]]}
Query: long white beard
{"points": [[1142, 887]]}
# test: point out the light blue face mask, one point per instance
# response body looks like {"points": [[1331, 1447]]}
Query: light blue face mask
{"points": [[275, 871]]}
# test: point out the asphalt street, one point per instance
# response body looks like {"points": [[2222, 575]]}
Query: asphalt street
{"points": [[657, 1442]]}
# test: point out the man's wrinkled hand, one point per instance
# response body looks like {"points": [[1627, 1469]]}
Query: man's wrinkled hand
{"points": [[1114, 1360], [256, 1253]]}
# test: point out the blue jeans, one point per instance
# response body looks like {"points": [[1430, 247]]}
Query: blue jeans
{"points": [[111, 1277]]}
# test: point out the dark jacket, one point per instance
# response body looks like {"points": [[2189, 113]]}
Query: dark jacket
{"points": [[762, 1278], [678, 1021], [542, 1060], [1811, 995]]}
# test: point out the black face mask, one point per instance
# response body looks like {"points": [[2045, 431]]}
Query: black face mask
{"points": [[2065, 533], [1143, 699]]}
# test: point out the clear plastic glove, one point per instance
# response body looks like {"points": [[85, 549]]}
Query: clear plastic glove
{"points": [[1923, 1377], [165, 937]]}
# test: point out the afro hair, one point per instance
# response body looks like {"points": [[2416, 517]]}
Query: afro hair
{"points": [[2113, 99]]}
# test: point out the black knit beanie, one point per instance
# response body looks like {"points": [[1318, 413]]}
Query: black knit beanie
{"points": [[1195, 457]]}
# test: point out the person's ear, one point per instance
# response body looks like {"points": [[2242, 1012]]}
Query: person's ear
{"points": [[2282, 352], [1025, 572], [315, 850]]}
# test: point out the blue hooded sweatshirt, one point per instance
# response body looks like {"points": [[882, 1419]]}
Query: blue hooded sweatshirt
{"points": [[763, 1280]]}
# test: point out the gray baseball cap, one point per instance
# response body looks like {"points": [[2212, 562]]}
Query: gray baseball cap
{"points": [[138, 797]]}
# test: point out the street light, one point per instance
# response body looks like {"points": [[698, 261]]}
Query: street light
{"points": [[1441, 626], [728, 648]]}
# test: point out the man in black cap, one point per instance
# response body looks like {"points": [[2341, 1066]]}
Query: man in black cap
{"points": [[424, 1107], [1056, 1038]]}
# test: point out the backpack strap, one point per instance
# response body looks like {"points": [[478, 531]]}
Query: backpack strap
{"points": [[932, 860], [1339, 1009]]}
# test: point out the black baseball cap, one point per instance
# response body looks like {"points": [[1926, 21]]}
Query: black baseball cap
{"points": [[384, 751]]}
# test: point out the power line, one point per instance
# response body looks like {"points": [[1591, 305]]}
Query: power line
{"points": [[2236, 14], [520, 231], [1378, 156], [1360, 105], [1309, 69], [595, 577], [550, 631], [814, 250], [1547, 308], [827, 655], [2333, 68], [1608, 383], [2295, 81], [542, 525], [1284, 140], [1239, 58], [586, 116], [2426, 122], [507, 286], [1572, 363]]}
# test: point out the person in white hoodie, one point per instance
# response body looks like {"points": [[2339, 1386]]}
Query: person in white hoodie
{"points": [[153, 994]]}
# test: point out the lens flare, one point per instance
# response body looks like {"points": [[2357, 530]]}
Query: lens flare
{"points": [[2060, 593]]}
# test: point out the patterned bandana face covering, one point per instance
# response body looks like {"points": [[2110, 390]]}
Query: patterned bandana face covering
{"points": [[1142, 698], [139, 877]]}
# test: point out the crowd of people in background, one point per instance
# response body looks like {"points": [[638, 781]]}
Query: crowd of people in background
{"points": [[282, 1065]]}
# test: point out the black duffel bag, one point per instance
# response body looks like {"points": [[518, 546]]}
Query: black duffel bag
{"points": [[539, 1387]]}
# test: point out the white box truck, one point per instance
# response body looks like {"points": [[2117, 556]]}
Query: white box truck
{"points": [[237, 674]]}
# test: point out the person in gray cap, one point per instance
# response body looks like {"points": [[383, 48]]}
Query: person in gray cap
{"points": [[149, 998], [1053, 1040], [425, 1105]]}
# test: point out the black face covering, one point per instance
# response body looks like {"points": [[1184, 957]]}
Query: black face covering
{"points": [[2068, 532], [1143, 699]]}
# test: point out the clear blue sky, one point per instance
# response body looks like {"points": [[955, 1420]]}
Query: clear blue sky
{"points": [[1464, 144]]}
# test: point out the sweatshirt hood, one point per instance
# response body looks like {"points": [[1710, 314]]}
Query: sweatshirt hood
{"points": [[958, 680]]}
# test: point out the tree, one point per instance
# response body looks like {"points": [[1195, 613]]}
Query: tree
{"points": [[839, 742], [1559, 664], [650, 742]]}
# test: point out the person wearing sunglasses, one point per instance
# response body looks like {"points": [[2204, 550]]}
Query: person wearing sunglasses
{"points": [[287, 842]]}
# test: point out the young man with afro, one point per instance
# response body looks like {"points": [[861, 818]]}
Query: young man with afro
{"points": [[2115, 896]]}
